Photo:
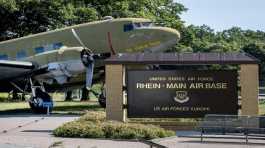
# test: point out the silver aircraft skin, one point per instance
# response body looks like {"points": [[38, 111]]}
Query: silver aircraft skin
{"points": [[69, 56]]}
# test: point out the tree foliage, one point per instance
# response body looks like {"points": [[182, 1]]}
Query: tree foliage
{"points": [[257, 50], [23, 17]]}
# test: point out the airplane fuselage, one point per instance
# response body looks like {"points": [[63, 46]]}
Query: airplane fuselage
{"points": [[54, 50]]}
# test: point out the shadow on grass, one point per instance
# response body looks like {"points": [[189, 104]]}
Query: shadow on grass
{"points": [[16, 111], [77, 108], [64, 109]]}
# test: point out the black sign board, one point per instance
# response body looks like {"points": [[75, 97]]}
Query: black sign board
{"points": [[181, 93]]}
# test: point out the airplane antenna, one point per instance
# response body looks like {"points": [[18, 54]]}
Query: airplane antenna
{"points": [[79, 40]]}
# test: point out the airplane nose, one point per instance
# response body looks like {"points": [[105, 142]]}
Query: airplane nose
{"points": [[167, 37], [170, 33], [176, 34]]}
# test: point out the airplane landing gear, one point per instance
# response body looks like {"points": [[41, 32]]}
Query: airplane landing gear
{"points": [[40, 102], [102, 100], [102, 97]]}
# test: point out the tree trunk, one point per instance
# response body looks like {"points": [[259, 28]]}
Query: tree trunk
{"points": [[15, 95], [23, 97], [68, 96], [85, 94]]}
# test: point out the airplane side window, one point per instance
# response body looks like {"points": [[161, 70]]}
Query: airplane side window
{"points": [[3, 57], [21, 54], [39, 50], [128, 27], [57, 45]]}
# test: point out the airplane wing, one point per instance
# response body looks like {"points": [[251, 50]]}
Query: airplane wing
{"points": [[13, 69]]}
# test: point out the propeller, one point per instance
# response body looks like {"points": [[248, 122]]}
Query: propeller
{"points": [[87, 59]]}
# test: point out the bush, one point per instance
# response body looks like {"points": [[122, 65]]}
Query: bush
{"points": [[94, 125], [79, 129], [93, 116]]}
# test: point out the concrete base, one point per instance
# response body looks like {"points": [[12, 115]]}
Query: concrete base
{"points": [[114, 93]]}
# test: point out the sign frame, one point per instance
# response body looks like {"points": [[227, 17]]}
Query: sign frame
{"points": [[181, 96]]}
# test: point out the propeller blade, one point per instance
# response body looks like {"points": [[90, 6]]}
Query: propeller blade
{"points": [[79, 40], [89, 75], [87, 59]]}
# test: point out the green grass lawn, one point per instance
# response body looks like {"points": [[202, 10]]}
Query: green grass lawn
{"points": [[262, 108], [62, 107], [69, 107], [5, 106]]}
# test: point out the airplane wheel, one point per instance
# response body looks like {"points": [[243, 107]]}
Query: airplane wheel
{"points": [[102, 100], [40, 103]]}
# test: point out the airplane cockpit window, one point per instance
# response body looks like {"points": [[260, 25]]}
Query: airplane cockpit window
{"points": [[128, 27], [142, 25], [21, 54], [147, 24], [132, 26], [137, 25], [39, 50], [3, 57]]}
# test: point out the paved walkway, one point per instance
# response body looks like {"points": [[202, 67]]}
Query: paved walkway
{"points": [[177, 142], [31, 131]]}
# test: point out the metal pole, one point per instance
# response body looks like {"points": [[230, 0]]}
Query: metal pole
{"points": [[48, 110]]}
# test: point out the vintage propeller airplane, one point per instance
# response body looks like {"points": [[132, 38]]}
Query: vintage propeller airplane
{"points": [[68, 57]]}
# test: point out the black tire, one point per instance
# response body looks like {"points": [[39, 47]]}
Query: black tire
{"points": [[102, 100], [38, 110], [38, 107]]}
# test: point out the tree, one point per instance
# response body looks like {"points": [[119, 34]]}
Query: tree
{"points": [[23, 17], [85, 94], [68, 96], [257, 51], [8, 19]]}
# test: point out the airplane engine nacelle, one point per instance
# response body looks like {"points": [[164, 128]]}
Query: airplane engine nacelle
{"points": [[59, 72], [64, 70]]}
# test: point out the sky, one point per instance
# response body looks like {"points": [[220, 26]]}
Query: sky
{"points": [[224, 14]]}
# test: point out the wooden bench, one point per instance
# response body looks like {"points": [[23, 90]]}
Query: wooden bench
{"points": [[248, 127]]}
